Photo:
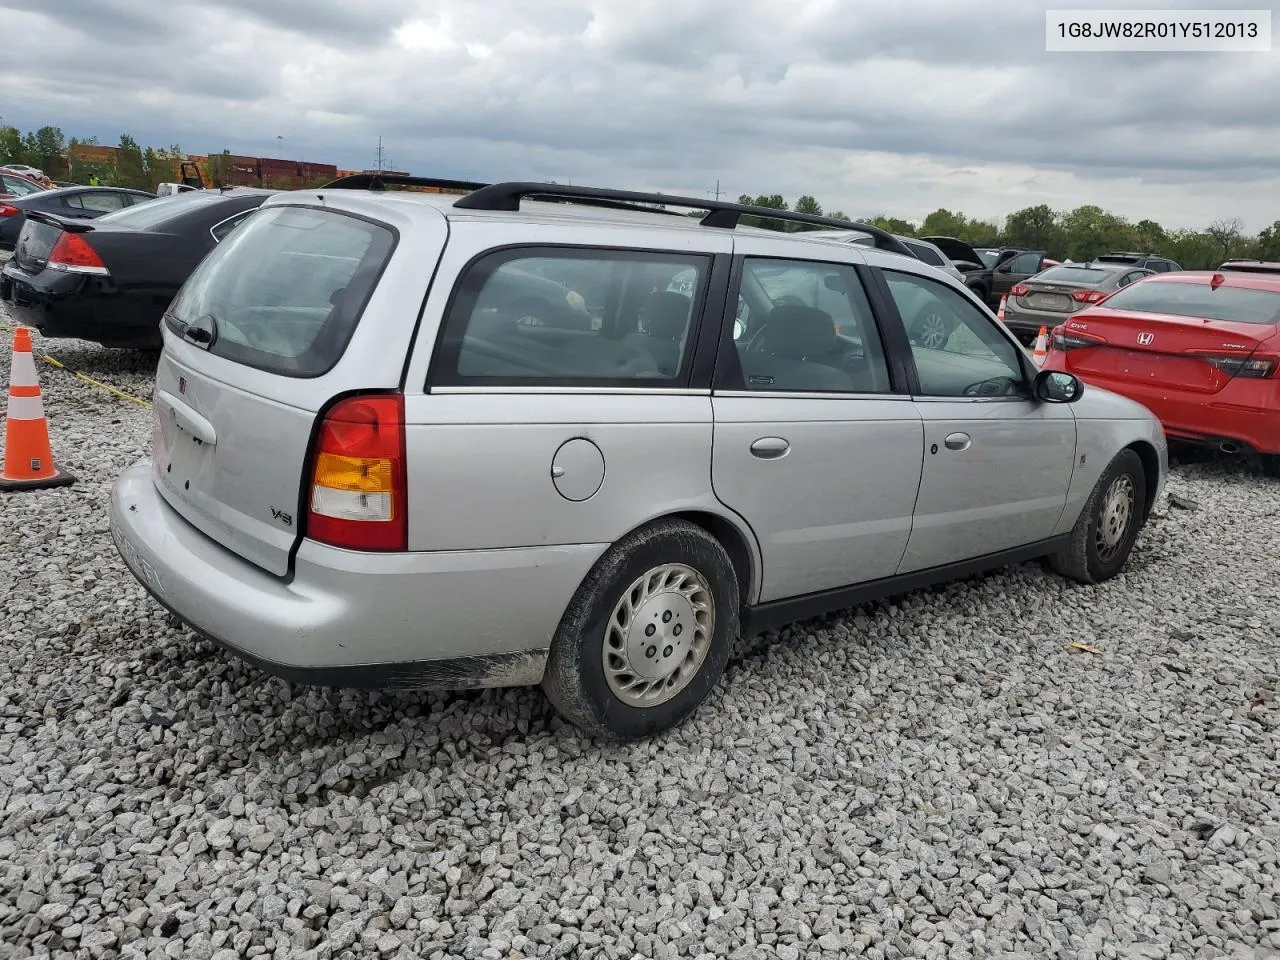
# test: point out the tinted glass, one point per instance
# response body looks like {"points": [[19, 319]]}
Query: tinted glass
{"points": [[926, 254], [958, 350], [989, 257], [73, 201], [221, 230], [143, 216], [585, 316], [287, 290], [102, 200], [17, 186], [1025, 263], [808, 327], [1074, 275], [1236, 304]]}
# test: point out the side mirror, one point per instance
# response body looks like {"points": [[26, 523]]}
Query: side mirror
{"points": [[1054, 386]]}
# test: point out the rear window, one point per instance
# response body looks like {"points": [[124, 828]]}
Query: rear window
{"points": [[580, 317], [286, 288], [1234, 304], [1074, 275], [144, 216], [926, 254]]}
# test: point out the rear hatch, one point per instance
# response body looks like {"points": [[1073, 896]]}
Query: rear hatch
{"points": [[297, 306], [1185, 334]]}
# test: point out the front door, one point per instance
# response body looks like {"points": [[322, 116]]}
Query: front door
{"points": [[997, 464], [814, 447], [1015, 270]]}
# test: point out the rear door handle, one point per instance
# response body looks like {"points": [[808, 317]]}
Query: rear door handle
{"points": [[770, 448], [957, 441]]}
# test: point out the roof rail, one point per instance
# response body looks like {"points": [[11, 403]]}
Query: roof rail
{"points": [[379, 181], [507, 196]]}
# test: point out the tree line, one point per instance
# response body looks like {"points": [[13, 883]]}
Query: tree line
{"points": [[1078, 234]]}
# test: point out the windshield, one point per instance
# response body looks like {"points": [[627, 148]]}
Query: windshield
{"points": [[150, 213], [1233, 304], [1074, 275]]}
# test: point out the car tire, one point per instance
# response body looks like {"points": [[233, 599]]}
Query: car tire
{"points": [[1108, 525], [668, 575]]}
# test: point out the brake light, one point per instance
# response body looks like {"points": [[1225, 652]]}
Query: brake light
{"points": [[73, 254], [1089, 296], [1063, 339], [1019, 290], [359, 490], [1253, 367], [8, 210]]}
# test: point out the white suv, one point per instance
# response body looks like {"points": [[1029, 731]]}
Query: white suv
{"points": [[406, 439]]}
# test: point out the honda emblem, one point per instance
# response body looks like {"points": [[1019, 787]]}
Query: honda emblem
{"points": [[1145, 339]]}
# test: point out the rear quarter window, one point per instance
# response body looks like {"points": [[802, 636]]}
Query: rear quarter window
{"points": [[572, 316], [286, 288], [1233, 304]]}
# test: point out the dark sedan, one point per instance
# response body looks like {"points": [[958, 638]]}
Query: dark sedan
{"points": [[110, 280], [74, 203]]}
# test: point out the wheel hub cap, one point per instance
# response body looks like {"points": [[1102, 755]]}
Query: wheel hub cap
{"points": [[658, 635], [1113, 520]]}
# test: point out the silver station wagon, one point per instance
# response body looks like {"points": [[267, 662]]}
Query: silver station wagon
{"points": [[568, 436]]}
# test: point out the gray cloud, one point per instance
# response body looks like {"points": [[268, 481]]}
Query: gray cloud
{"points": [[882, 105]]}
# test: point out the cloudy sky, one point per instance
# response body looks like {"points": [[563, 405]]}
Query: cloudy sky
{"points": [[896, 107]]}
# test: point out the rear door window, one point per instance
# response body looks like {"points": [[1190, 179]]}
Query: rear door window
{"points": [[102, 201], [573, 316], [285, 292]]}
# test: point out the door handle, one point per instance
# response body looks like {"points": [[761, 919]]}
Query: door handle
{"points": [[770, 448], [958, 441]]}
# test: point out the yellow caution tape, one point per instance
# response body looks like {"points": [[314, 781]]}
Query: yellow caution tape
{"points": [[115, 391]]}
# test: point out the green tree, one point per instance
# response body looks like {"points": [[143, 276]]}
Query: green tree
{"points": [[1192, 249], [131, 168], [944, 223], [838, 215], [50, 150], [1268, 243], [1092, 231], [10, 145], [1150, 235], [903, 228], [1036, 228], [218, 168]]}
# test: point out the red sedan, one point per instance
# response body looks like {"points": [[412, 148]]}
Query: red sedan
{"points": [[1200, 350]]}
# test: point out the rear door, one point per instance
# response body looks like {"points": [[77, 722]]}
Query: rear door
{"points": [[300, 304], [552, 397], [997, 464], [814, 445]]}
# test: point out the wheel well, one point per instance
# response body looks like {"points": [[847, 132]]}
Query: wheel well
{"points": [[732, 541], [1150, 471]]}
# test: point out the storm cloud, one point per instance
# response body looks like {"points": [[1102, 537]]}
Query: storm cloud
{"points": [[895, 107]]}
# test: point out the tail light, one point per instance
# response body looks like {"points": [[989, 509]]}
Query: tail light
{"points": [[359, 490], [1063, 339], [1089, 296], [1019, 290], [1253, 367], [72, 254], [8, 210]]}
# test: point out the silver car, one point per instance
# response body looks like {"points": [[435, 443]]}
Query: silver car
{"points": [[1052, 296], [368, 471]]}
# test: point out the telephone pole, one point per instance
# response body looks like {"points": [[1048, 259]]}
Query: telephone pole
{"points": [[381, 157]]}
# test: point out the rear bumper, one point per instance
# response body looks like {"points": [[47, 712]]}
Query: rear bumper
{"points": [[1029, 322], [1244, 413], [479, 618], [67, 305]]}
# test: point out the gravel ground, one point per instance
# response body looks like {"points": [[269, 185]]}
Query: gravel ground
{"points": [[940, 777]]}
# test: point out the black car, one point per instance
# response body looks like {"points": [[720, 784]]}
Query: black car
{"points": [[991, 274], [73, 203], [110, 280]]}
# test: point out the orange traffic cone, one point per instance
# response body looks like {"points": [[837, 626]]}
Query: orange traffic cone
{"points": [[1042, 346], [1000, 312], [28, 457]]}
